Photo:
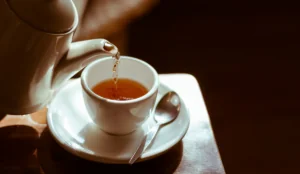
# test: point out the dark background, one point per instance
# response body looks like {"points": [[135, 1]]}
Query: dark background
{"points": [[245, 55]]}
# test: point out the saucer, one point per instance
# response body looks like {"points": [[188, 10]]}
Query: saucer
{"points": [[70, 126]]}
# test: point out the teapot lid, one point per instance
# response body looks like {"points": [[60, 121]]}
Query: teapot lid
{"points": [[53, 16]]}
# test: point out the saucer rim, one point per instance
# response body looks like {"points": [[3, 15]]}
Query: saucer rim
{"points": [[96, 158]]}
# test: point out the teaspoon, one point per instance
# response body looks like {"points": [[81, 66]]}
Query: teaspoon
{"points": [[166, 111]]}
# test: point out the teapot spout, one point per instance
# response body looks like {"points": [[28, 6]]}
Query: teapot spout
{"points": [[80, 54]]}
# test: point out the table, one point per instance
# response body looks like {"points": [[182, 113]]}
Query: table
{"points": [[27, 146]]}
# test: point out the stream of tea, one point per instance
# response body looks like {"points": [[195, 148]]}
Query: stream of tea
{"points": [[115, 73], [115, 68]]}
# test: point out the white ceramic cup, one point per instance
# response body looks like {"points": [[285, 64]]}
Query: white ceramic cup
{"points": [[113, 116]]}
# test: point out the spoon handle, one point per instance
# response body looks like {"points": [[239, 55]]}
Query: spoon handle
{"points": [[150, 135], [144, 143]]}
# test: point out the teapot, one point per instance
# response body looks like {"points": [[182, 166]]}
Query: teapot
{"points": [[37, 54]]}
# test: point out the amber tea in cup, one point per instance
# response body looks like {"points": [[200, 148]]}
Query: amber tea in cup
{"points": [[124, 89]]}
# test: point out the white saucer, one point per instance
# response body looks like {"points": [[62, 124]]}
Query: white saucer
{"points": [[70, 126]]}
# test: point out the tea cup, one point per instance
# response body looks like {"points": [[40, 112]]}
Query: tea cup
{"points": [[115, 116]]}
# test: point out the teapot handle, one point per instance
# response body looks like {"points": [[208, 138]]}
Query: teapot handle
{"points": [[80, 54]]}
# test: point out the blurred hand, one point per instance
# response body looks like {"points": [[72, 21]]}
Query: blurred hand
{"points": [[101, 18]]}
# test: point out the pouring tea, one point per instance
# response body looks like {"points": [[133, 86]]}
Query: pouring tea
{"points": [[36, 53]]}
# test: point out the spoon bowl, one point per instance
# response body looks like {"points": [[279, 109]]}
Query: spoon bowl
{"points": [[167, 109]]}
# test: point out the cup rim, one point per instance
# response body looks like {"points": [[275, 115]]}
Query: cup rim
{"points": [[90, 92]]}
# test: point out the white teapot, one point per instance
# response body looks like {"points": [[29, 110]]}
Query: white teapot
{"points": [[36, 53]]}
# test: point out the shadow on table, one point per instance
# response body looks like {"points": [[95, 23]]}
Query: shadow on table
{"points": [[17, 146], [55, 160]]}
